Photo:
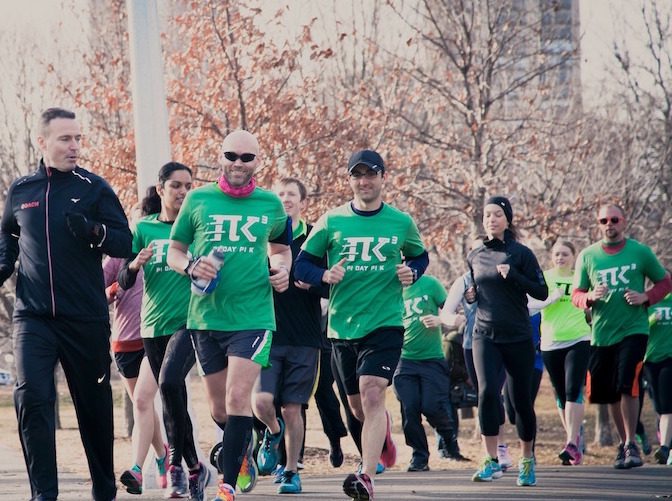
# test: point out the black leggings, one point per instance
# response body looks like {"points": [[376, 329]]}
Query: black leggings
{"points": [[659, 375], [508, 402], [518, 361], [171, 358], [567, 369]]}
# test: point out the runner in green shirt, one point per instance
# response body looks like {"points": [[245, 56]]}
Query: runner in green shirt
{"points": [[421, 381], [372, 250], [232, 324], [658, 367], [167, 342], [610, 278]]}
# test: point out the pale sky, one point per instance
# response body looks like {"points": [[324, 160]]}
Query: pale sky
{"points": [[601, 22], [34, 18]]}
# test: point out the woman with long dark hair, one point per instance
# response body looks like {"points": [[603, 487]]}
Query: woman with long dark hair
{"points": [[504, 272], [166, 340]]}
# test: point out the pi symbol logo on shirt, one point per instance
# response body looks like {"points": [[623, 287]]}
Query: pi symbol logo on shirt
{"points": [[233, 226], [412, 306], [160, 251], [616, 275], [366, 248], [663, 313]]}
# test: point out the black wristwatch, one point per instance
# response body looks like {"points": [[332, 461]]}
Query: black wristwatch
{"points": [[190, 264]]}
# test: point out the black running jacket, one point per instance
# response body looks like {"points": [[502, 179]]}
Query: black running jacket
{"points": [[60, 275]]}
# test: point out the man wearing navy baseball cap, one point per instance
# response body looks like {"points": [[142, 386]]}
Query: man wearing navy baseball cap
{"points": [[364, 241], [369, 158]]}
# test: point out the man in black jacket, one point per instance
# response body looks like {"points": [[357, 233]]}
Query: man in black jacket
{"points": [[59, 221]]}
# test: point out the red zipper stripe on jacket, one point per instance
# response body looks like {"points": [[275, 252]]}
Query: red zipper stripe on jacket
{"points": [[46, 226]]}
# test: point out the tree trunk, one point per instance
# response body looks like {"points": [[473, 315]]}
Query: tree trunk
{"points": [[603, 433], [128, 414]]}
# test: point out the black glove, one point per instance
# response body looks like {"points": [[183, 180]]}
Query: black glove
{"points": [[81, 227]]}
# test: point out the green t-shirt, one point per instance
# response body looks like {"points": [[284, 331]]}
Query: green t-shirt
{"points": [[424, 297], [243, 227], [562, 321], [660, 338], [613, 317], [369, 296], [166, 297]]}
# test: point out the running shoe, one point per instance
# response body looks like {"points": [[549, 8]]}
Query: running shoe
{"points": [[489, 470], [619, 462], [662, 454], [277, 474], [526, 476], [379, 468], [389, 455], [214, 456], [358, 486], [643, 440], [632, 456], [335, 453], [290, 484], [225, 493], [570, 455], [452, 451], [247, 477], [503, 457], [197, 482], [669, 460], [268, 456], [177, 483], [132, 480], [161, 479], [417, 467]]}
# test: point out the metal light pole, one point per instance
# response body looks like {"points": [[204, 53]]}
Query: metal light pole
{"points": [[150, 114]]}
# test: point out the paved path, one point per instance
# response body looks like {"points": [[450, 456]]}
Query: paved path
{"points": [[554, 483]]}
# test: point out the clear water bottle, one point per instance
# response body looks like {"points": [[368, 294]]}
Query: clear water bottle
{"points": [[202, 287]]}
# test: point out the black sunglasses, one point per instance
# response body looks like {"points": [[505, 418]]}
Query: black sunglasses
{"points": [[604, 220], [244, 157]]}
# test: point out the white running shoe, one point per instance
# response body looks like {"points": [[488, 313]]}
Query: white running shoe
{"points": [[503, 457]]}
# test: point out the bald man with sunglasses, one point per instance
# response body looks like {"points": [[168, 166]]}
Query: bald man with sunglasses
{"points": [[610, 280], [232, 325]]}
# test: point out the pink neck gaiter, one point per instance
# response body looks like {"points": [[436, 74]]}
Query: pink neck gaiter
{"points": [[236, 192]]}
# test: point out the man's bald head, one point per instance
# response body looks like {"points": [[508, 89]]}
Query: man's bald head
{"points": [[241, 141]]}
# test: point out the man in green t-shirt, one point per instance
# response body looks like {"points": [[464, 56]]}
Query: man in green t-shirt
{"points": [[233, 323], [610, 279], [364, 241]]}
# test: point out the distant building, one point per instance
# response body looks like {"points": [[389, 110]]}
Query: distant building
{"points": [[549, 34]]}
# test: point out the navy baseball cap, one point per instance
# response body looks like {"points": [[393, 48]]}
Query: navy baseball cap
{"points": [[369, 158]]}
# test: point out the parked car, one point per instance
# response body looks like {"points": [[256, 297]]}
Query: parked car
{"points": [[6, 378]]}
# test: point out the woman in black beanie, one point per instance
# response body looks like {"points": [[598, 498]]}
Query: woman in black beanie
{"points": [[504, 272]]}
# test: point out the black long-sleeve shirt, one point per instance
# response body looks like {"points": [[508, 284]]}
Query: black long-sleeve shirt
{"points": [[502, 313], [60, 275], [297, 311]]}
